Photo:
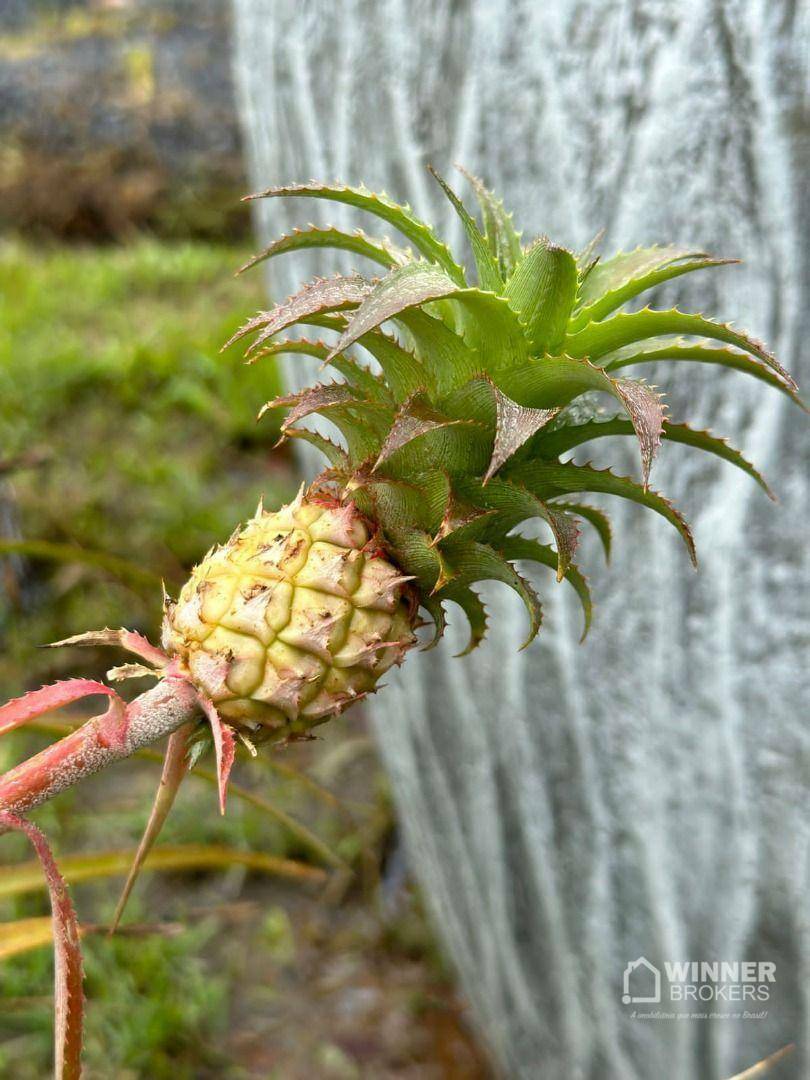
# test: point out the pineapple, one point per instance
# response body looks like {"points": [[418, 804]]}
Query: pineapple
{"points": [[457, 437], [297, 616]]}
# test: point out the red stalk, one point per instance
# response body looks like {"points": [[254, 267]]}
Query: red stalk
{"points": [[151, 716]]}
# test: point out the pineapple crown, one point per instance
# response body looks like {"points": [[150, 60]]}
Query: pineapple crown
{"points": [[481, 390]]}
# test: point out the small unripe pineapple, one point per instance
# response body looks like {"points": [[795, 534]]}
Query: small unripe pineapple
{"points": [[295, 618]]}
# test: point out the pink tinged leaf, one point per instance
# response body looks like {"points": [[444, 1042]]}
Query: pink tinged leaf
{"points": [[565, 530], [461, 517], [316, 297], [312, 399], [646, 411], [21, 710], [175, 767], [598, 518], [224, 747], [125, 639], [68, 993], [403, 288], [416, 417], [514, 425]]}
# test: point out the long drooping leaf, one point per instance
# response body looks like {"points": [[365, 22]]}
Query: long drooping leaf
{"points": [[68, 992], [542, 290], [597, 518], [26, 877], [473, 607], [318, 297], [380, 251], [599, 339], [521, 547], [402, 218], [551, 480], [569, 436], [518, 504], [489, 276], [175, 768], [471, 561], [699, 352], [614, 281], [501, 236]]}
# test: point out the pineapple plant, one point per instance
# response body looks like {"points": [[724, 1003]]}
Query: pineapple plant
{"points": [[447, 451]]}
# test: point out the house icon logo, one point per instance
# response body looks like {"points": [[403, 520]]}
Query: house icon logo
{"points": [[641, 970]]}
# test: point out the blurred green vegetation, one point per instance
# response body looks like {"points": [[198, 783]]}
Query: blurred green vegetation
{"points": [[144, 437]]}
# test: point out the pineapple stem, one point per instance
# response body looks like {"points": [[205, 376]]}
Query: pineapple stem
{"points": [[88, 750]]}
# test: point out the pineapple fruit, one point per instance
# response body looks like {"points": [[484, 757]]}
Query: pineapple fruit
{"points": [[458, 436], [297, 616]]}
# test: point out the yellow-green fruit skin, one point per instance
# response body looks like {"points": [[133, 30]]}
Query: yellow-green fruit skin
{"points": [[296, 617]]}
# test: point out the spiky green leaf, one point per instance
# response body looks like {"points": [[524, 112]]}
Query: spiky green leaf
{"points": [[677, 349], [360, 378], [422, 438], [362, 423], [473, 607], [491, 326], [472, 561], [557, 380], [613, 282], [447, 360], [402, 218], [316, 297], [403, 371], [501, 235], [600, 339], [380, 251], [514, 425], [517, 504], [527, 549], [570, 436], [489, 276], [597, 518], [542, 290], [335, 454], [551, 480]]}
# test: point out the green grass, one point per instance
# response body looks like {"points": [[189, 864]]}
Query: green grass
{"points": [[110, 367]]}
